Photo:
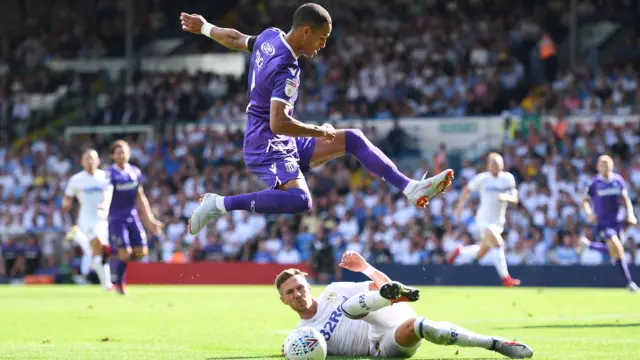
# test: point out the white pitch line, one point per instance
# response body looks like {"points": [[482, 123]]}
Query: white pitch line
{"points": [[584, 339]]}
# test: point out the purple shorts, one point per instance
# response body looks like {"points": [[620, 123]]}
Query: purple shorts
{"points": [[127, 233], [277, 166], [604, 233]]}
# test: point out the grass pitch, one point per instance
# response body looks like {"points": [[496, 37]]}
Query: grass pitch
{"points": [[249, 322]]}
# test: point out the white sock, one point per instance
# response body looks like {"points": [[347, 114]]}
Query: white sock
{"points": [[470, 250], [501, 263], [220, 203], [106, 268], [363, 303], [85, 264], [99, 269], [410, 187], [444, 333]]}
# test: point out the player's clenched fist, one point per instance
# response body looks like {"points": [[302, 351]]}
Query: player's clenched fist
{"points": [[353, 261], [329, 133], [192, 22]]}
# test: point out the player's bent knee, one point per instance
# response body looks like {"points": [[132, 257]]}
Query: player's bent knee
{"points": [[302, 201], [124, 255]]}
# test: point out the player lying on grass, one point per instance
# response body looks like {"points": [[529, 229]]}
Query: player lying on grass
{"points": [[278, 148], [373, 318], [607, 192]]}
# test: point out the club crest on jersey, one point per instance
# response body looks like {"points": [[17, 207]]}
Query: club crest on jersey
{"points": [[291, 165], [267, 48], [290, 87], [331, 297]]}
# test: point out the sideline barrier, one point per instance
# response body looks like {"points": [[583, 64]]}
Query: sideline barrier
{"points": [[204, 273], [467, 275], [477, 275]]}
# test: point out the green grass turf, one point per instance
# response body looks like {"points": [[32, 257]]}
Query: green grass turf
{"points": [[249, 322]]}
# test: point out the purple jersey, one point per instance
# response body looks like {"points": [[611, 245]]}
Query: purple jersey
{"points": [[125, 191], [274, 74], [606, 196]]}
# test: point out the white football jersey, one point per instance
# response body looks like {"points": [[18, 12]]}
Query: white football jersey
{"points": [[89, 189], [491, 210], [344, 336]]}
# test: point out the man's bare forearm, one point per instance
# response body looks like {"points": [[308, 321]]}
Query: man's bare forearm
{"points": [[293, 127]]}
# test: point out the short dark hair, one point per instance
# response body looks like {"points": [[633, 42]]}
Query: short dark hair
{"points": [[286, 275], [311, 14]]}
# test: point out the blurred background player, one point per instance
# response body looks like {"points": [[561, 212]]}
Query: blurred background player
{"points": [[497, 188], [357, 319], [93, 190], [125, 229], [278, 148], [606, 191]]}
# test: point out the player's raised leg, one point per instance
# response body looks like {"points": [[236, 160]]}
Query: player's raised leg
{"points": [[355, 143], [491, 238]]}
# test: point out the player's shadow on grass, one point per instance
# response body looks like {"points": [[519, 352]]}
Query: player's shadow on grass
{"points": [[570, 326]]}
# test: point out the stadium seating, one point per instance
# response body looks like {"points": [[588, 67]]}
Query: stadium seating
{"points": [[451, 62]]}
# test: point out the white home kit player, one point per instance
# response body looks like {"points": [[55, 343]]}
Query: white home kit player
{"points": [[497, 188], [373, 318], [93, 190]]}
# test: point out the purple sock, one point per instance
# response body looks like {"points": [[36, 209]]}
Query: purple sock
{"points": [[121, 272], [373, 159], [625, 270], [598, 246], [291, 201]]}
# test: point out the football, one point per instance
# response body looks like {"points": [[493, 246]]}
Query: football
{"points": [[305, 343]]}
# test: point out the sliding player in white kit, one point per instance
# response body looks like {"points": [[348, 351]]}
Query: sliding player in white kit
{"points": [[373, 318], [93, 190], [497, 188]]}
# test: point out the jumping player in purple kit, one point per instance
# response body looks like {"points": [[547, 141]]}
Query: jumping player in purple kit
{"points": [[125, 229], [606, 192], [277, 147]]}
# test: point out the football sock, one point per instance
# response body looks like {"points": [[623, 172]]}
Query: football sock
{"points": [[373, 159], [360, 305], [625, 270], [501, 263], [598, 246], [270, 201], [121, 272], [99, 268], [444, 333], [471, 250]]}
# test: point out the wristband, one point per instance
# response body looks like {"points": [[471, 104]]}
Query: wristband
{"points": [[369, 270], [206, 29]]}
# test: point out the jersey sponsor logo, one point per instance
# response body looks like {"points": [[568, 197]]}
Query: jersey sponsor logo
{"points": [[267, 48], [497, 189], [330, 326], [290, 87], [608, 192], [127, 186], [92, 189]]}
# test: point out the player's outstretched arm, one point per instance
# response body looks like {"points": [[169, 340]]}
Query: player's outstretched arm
{"points": [[586, 207], [147, 215], [229, 38], [631, 217], [281, 123], [353, 261]]}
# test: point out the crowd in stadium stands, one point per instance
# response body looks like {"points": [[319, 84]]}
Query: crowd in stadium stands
{"points": [[352, 210], [383, 60]]}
